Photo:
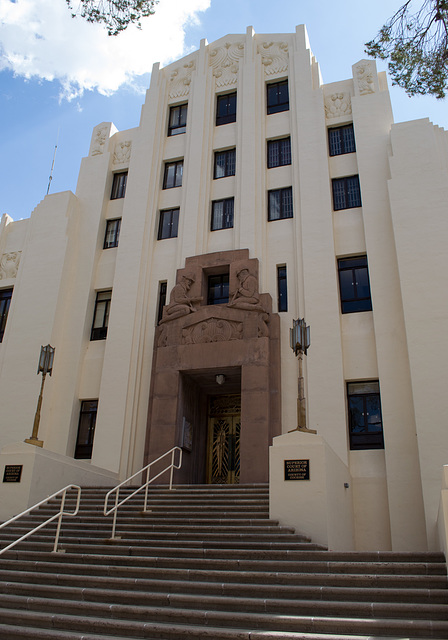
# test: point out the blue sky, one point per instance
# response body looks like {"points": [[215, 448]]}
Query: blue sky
{"points": [[60, 77]]}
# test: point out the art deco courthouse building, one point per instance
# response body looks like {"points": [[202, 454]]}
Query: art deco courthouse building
{"points": [[250, 194]]}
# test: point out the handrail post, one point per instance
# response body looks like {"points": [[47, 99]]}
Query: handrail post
{"points": [[115, 514], [145, 503], [58, 528], [172, 469]]}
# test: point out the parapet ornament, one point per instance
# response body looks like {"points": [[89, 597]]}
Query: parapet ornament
{"points": [[338, 104], [100, 137], [9, 264], [122, 152], [274, 57], [225, 63], [364, 77], [180, 80]]}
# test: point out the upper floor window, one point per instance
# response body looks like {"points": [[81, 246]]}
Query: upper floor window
{"points": [[112, 233], [226, 108], [364, 415], [282, 289], [168, 224], [119, 185], [101, 315], [222, 214], [346, 193], [218, 289], [277, 97], [354, 284], [224, 163], [341, 140], [279, 152], [86, 429], [178, 120], [173, 174], [5, 301], [280, 204], [162, 300]]}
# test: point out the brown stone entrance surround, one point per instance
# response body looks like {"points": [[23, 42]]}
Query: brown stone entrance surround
{"points": [[195, 342]]}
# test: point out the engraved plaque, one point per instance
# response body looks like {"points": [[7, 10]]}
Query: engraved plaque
{"points": [[297, 469], [12, 473]]}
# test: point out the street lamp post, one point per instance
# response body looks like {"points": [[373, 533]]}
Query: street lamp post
{"points": [[300, 341], [45, 366]]}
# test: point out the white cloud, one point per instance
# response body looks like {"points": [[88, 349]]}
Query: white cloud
{"points": [[40, 39]]}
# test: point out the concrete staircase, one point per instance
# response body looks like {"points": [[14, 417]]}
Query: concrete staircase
{"points": [[207, 563]]}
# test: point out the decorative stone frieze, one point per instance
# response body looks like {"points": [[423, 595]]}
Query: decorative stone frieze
{"points": [[180, 80], [122, 152], [212, 330], [98, 140], [225, 63], [9, 264], [274, 57], [365, 77], [337, 105]]}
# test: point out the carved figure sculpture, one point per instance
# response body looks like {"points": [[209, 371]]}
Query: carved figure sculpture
{"points": [[246, 296], [364, 74], [99, 141], [9, 265], [180, 302]]}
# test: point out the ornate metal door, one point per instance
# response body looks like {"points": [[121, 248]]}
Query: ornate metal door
{"points": [[223, 449]]}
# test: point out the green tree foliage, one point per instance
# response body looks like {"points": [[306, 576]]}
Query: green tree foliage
{"points": [[116, 15], [416, 45]]}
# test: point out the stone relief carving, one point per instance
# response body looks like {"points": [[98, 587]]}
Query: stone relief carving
{"points": [[364, 77], [274, 57], [225, 63], [122, 152], [99, 141], [180, 303], [338, 104], [180, 80], [9, 264], [212, 330], [246, 296]]}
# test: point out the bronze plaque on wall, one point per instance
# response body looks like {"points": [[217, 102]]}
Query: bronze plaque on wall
{"points": [[12, 473], [297, 469]]}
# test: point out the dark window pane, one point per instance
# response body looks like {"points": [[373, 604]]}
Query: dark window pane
{"points": [[279, 152], [222, 214], [101, 315], [173, 174], [277, 97], [168, 224], [226, 109], [112, 233], [86, 429], [119, 185], [280, 204], [364, 409], [354, 284], [224, 163], [162, 301], [218, 289], [282, 289], [346, 193], [341, 140], [178, 120], [5, 301]]}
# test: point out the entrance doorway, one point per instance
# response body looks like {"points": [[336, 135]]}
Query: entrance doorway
{"points": [[223, 441]]}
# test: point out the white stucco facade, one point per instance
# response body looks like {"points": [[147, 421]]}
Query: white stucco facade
{"points": [[57, 265]]}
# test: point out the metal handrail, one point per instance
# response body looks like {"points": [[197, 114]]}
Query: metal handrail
{"points": [[43, 524], [145, 486]]}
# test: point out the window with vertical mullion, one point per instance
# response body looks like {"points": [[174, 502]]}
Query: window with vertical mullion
{"points": [[226, 108], [177, 120], [354, 284], [341, 140], [277, 97], [119, 185], [279, 152], [346, 193], [280, 204], [222, 214], [364, 413], [86, 429], [112, 233], [168, 224], [173, 174], [282, 289], [101, 315], [224, 164]]}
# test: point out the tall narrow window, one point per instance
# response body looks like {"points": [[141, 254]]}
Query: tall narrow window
{"points": [[162, 301], [168, 224], [119, 185], [364, 415], [346, 193], [226, 108], [224, 164], [112, 233], [282, 289], [354, 284], [101, 315], [86, 429], [222, 214], [279, 152], [178, 120], [5, 301], [173, 174], [280, 204], [218, 289], [277, 97], [341, 140]]}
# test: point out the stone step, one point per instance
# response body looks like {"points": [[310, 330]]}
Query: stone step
{"points": [[129, 621]]}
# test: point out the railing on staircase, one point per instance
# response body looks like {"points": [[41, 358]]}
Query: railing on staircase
{"points": [[144, 486], [59, 514]]}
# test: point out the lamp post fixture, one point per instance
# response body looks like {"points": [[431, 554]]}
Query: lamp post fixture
{"points": [[299, 337], [45, 366]]}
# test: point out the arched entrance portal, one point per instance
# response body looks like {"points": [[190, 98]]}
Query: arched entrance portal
{"points": [[215, 387]]}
